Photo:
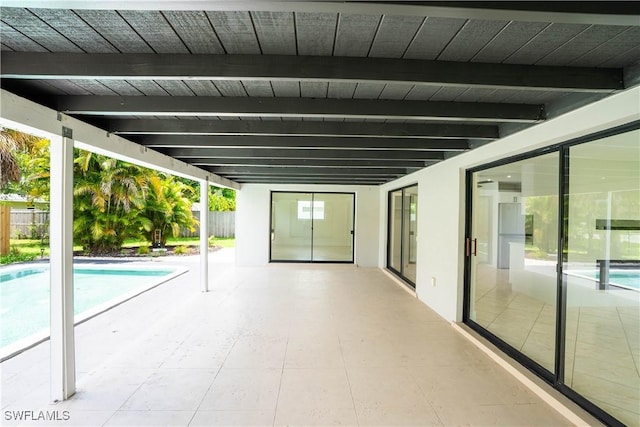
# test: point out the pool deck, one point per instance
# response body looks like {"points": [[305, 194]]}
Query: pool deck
{"points": [[284, 344]]}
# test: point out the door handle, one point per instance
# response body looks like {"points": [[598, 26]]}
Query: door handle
{"points": [[468, 250]]}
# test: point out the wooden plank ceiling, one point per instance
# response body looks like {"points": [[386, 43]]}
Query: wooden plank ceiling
{"points": [[316, 92]]}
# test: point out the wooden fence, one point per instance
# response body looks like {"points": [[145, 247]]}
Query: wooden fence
{"points": [[221, 224], [27, 223]]}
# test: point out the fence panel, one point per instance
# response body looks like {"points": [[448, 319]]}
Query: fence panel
{"points": [[29, 223], [221, 224]]}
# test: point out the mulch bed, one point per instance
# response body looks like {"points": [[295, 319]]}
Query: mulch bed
{"points": [[133, 252]]}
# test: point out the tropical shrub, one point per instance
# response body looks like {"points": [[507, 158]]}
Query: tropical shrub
{"points": [[181, 250], [15, 255], [222, 199], [109, 195], [167, 208]]}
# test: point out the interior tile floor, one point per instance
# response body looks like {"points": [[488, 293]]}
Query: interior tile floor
{"points": [[332, 253], [286, 344]]}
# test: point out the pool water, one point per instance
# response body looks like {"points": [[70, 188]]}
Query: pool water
{"points": [[624, 278], [24, 295]]}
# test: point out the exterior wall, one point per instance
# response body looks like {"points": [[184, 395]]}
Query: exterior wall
{"points": [[441, 212], [253, 212]]}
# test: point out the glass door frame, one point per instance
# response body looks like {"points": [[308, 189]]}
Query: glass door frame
{"points": [[555, 379], [390, 267], [469, 250], [311, 260]]}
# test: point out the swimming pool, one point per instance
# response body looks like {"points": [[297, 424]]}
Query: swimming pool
{"points": [[629, 279], [24, 296]]}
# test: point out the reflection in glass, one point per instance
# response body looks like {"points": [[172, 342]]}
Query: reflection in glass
{"points": [[305, 209], [601, 272], [291, 227], [403, 232], [410, 233], [395, 230], [332, 227], [513, 281]]}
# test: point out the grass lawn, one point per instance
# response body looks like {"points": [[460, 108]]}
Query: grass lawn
{"points": [[33, 246], [225, 242]]}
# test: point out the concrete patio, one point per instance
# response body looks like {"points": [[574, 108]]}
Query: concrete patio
{"points": [[286, 344]]}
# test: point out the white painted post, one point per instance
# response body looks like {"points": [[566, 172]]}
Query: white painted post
{"points": [[63, 371], [204, 235]]}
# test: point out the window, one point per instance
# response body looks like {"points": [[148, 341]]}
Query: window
{"points": [[304, 209]]}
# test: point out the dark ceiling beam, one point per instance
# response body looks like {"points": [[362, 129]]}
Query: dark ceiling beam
{"points": [[377, 177], [152, 66], [311, 180], [311, 163], [186, 153], [298, 128], [206, 141], [249, 170], [299, 107], [589, 12]]}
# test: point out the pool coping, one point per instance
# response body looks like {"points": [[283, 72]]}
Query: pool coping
{"points": [[43, 335]]}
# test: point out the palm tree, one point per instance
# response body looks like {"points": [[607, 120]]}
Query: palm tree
{"points": [[23, 154], [108, 197], [11, 143], [167, 208], [13, 147]]}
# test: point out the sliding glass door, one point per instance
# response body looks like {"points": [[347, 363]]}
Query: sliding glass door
{"points": [[394, 259], [601, 274], [312, 227], [333, 227], [403, 233], [513, 255], [553, 267], [291, 215]]}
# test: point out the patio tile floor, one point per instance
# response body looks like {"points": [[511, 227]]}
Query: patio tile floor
{"points": [[286, 344]]}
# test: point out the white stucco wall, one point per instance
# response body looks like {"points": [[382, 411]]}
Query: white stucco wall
{"points": [[442, 191], [252, 221]]}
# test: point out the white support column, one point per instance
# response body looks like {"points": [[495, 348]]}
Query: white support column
{"points": [[63, 370], [204, 234]]}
